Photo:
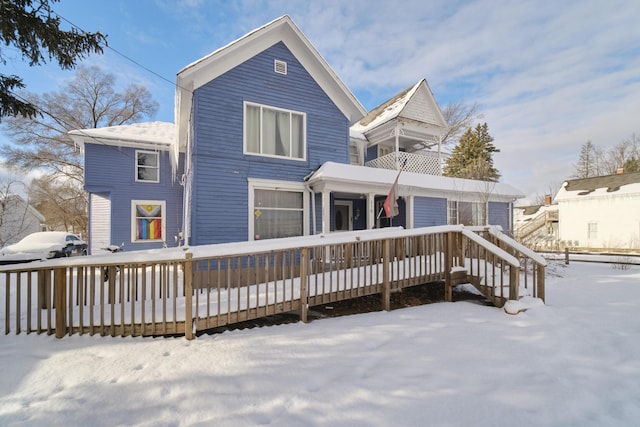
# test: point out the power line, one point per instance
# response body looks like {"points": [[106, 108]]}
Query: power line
{"points": [[82, 131], [133, 61]]}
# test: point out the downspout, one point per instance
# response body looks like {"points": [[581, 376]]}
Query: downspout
{"points": [[187, 180]]}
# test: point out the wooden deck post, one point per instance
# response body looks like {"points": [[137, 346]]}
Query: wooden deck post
{"points": [[540, 285], [44, 289], [448, 265], [514, 283], [60, 298], [188, 296], [304, 284], [386, 279]]}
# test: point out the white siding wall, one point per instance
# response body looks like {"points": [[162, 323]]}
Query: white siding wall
{"points": [[100, 220], [420, 108], [617, 218], [17, 220]]}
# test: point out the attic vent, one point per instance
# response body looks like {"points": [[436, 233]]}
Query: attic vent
{"points": [[280, 67]]}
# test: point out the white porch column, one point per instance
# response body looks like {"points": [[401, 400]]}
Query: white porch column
{"points": [[409, 209], [371, 211], [326, 211], [397, 152]]}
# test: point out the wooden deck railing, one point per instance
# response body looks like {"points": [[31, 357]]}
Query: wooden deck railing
{"points": [[185, 290]]}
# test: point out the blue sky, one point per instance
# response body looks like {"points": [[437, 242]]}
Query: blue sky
{"points": [[548, 75]]}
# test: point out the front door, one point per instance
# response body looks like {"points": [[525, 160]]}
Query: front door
{"points": [[342, 216]]}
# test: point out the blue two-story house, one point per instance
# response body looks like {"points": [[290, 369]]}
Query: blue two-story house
{"points": [[269, 142]]}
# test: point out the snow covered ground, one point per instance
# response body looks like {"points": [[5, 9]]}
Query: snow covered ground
{"points": [[573, 362]]}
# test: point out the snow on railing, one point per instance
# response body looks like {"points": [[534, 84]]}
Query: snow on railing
{"points": [[183, 290]]}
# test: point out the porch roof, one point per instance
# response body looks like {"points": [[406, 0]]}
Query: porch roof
{"points": [[344, 178], [153, 135]]}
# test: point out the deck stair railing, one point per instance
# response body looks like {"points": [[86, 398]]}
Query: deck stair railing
{"points": [[185, 290], [537, 223]]}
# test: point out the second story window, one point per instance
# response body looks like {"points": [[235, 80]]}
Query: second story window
{"points": [[274, 132], [147, 166]]}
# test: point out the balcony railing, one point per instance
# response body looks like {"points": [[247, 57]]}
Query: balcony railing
{"points": [[428, 163]]}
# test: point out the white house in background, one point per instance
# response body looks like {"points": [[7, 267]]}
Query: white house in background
{"points": [[601, 212], [17, 219]]}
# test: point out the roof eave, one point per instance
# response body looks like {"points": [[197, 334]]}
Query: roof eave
{"points": [[283, 30]]}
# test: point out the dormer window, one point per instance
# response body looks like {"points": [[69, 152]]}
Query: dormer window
{"points": [[147, 166]]}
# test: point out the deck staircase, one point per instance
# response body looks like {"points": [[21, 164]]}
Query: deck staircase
{"points": [[539, 222]]}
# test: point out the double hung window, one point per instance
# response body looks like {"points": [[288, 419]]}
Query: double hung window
{"points": [[274, 132], [147, 166]]}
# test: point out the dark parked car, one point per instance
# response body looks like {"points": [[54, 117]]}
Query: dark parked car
{"points": [[43, 245]]}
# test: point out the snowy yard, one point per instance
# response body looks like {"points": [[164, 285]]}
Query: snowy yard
{"points": [[575, 361]]}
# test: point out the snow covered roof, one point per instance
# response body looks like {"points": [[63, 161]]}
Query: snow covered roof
{"points": [[156, 135], [618, 184], [362, 180], [427, 110], [13, 200]]}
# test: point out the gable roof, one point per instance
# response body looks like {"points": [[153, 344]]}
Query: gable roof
{"points": [[622, 183], [415, 103], [228, 57], [16, 200], [153, 135]]}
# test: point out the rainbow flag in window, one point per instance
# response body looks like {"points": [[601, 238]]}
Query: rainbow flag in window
{"points": [[149, 222]]}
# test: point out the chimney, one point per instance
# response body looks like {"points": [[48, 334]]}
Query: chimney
{"points": [[619, 171], [547, 199]]}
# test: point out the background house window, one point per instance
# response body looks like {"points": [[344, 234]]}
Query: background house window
{"points": [[148, 222], [274, 132], [147, 166], [592, 231]]}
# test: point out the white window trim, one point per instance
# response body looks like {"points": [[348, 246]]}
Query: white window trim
{"points": [[134, 223], [147, 181], [244, 132], [483, 205], [269, 184]]}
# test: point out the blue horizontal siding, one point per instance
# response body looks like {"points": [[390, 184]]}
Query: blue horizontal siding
{"points": [[221, 170], [429, 211], [499, 214], [110, 169]]}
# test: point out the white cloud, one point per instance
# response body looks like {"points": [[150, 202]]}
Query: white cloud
{"points": [[549, 75]]}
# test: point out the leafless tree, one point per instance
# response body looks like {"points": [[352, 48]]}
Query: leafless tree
{"points": [[14, 210], [625, 153], [89, 100], [64, 204], [460, 116]]}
